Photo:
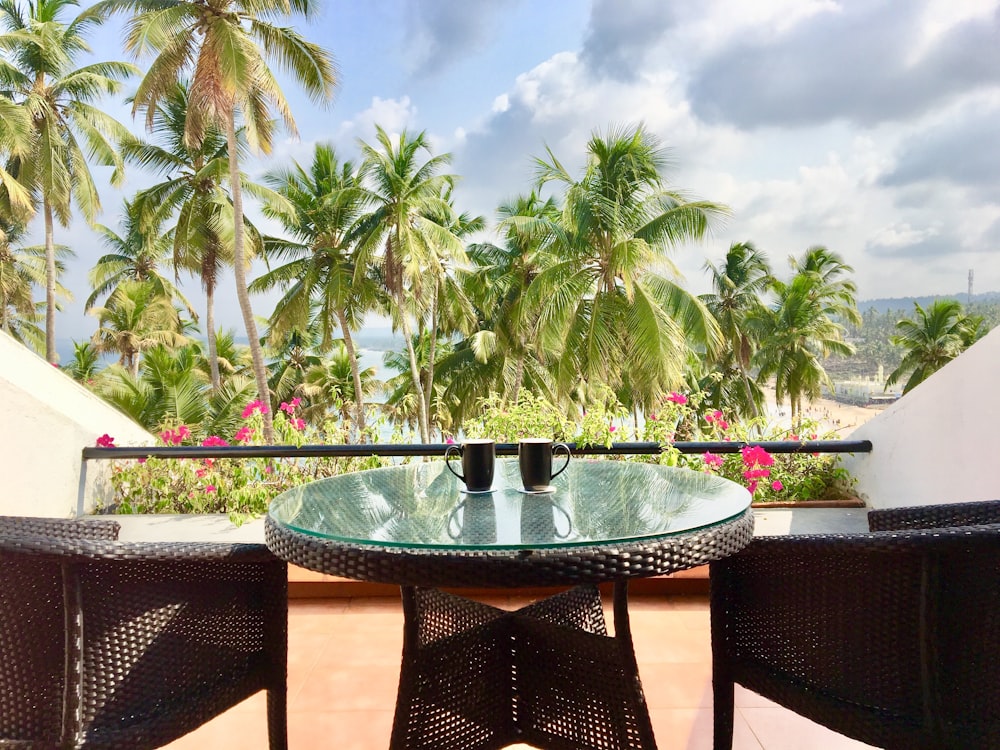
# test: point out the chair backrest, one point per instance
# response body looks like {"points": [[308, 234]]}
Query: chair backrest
{"points": [[33, 619], [891, 637]]}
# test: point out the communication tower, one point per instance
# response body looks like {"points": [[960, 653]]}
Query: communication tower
{"points": [[970, 285]]}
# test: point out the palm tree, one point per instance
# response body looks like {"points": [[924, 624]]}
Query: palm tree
{"points": [[931, 339], [321, 277], [333, 380], [402, 403], [499, 357], [737, 288], [171, 389], [135, 255], [797, 333], [21, 270], [16, 142], [407, 195], [291, 356], [230, 359], [193, 192], [450, 311], [84, 365], [135, 319], [42, 50], [832, 287], [603, 308], [227, 44]]}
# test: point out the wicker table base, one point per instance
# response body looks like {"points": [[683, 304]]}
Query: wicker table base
{"points": [[477, 677]]}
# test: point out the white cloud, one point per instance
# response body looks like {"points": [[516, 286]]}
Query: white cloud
{"points": [[903, 235], [393, 115]]}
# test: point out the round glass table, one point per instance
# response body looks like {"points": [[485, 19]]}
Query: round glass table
{"points": [[474, 676]]}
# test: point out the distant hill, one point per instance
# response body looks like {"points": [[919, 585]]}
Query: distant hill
{"points": [[905, 304]]}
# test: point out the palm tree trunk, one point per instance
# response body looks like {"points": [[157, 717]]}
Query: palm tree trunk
{"points": [[518, 378], [431, 354], [239, 271], [750, 400], [414, 370], [359, 399], [213, 351], [50, 285]]}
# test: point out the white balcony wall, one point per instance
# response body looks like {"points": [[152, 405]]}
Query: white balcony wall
{"points": [[939, 443], [45, 421]]}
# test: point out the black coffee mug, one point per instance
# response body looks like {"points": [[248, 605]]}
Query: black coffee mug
{"points": [[478, 460], [534, 458]]}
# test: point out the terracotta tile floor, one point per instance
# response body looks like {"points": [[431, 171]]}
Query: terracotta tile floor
{"points": [[343, 663]]}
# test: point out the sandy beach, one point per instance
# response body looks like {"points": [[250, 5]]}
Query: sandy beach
{"points": [[832, 415]]}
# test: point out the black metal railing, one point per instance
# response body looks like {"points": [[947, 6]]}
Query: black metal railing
{"points": [[438, 449]]}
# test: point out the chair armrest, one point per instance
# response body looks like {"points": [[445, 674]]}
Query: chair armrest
{"points": [[935, 516], [62, 528]]}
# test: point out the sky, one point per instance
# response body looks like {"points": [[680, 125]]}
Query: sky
{"points": [[866, 126]]}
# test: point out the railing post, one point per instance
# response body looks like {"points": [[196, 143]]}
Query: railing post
{"points": [[81, 492]]}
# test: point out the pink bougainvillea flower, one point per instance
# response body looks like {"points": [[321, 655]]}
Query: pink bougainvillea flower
{"points": [[243, 434], [777, 486], [210, 488], [722, 424], [611, 428], [756, 473], [253, 406], [175, 437], [652, 417], [269, 469], [299, 424], [752, 486], [754, 455], [214, 441], [105, 441], [712, 459], [677, 398], [449, 441], [290, 406], [200, 473], [141, 460]]}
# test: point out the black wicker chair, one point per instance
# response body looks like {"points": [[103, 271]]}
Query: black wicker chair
{"points": [[892, 637], [131, 645]]}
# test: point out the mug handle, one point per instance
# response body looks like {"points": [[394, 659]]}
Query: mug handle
{"points": [[566, 448], [452, 517], [448, 454], [569, 521]]}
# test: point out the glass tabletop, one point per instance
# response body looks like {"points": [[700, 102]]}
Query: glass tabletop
{"points": [[423, 505]]}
